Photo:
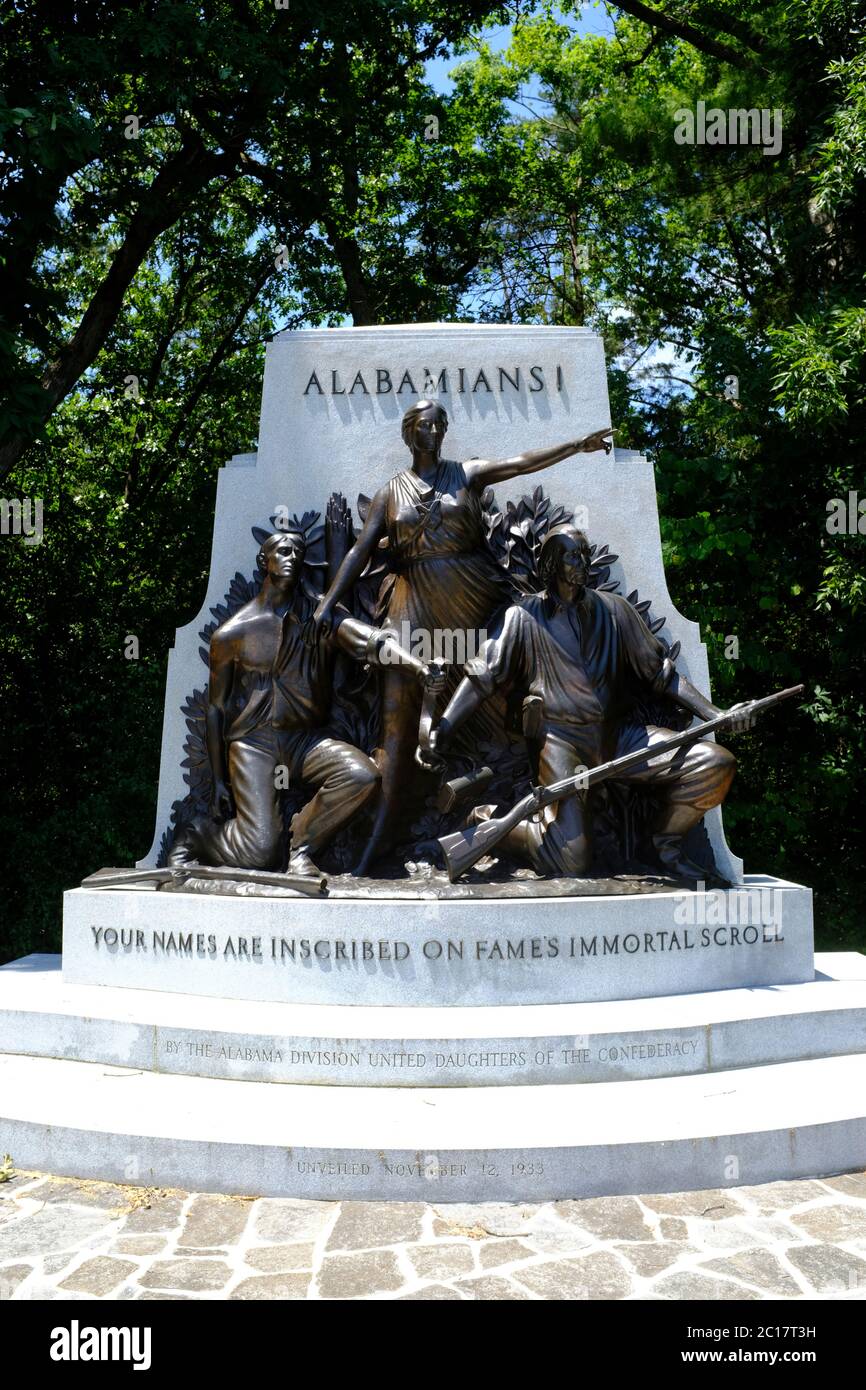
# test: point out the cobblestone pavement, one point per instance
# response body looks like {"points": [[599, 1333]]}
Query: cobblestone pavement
{"points": [[65, 1239]]}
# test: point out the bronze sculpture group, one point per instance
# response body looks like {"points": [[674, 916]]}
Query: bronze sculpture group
{"points": [[577, 662]]}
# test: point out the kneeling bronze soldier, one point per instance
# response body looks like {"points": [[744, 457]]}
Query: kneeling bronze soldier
{"points": [[581, 657], [269, 700]]}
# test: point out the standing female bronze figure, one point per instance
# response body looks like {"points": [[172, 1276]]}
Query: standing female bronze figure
{"points": [[443, 575]]}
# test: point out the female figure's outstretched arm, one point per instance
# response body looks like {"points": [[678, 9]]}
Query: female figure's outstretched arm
{"points": [[481, 473], [353, 566]]}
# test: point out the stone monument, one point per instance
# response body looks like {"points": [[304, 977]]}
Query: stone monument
{"points": [[438, 841]]}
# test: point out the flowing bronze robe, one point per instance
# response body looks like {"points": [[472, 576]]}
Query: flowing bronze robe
{"points": [[444, 575]]}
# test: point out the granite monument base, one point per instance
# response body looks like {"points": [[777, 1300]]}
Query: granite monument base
{"points": [[433, 952], [511, 1051]]}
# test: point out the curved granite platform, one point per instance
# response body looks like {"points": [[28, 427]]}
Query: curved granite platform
{"points": [[698, 1093], [756, 1125], [342, 1045]]}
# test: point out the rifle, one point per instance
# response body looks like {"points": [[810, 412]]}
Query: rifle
{"points": [[465, 847], [178, 873]]}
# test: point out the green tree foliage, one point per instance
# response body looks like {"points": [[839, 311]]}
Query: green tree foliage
{"points": [[119, 120], [701, 262], [280, 176]]}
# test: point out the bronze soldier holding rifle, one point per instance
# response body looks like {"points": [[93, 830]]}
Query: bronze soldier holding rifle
{"points": [[581, 657]]}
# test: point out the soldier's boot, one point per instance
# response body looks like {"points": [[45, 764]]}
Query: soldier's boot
{"points": [[300, 863], [675, 823], [186, 847]]}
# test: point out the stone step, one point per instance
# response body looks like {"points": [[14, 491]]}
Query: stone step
{"points": [[345, 1045], [756, 1125]]}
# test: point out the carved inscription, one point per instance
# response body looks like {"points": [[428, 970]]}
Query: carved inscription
{"points": [[424, 1168], [432, 1063], [294, 950], [382, 381]]}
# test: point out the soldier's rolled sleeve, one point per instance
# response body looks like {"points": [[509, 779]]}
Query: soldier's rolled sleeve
{"points": [[503, 657], [357, 639], [374, 645], [644, 654], [664, 677]]}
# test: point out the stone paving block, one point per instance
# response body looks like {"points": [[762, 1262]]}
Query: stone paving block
{"points": [[191, 1252], [491, 1289], [160, 1212], [139, 1245], [596, 1276], [10, 1277], [287, 1220], [608, 1218], [549, 1235], [197, 1275], [503, 1252], [778, 1196], [438, 1293], [715, 1204], [771, 1228], [740, 1233], [834, 1224], [442, 1261], [852, 1184], [51, 1229], [45, 1292], [215, 1221], [84, 1194], [54, 1264], [651, 1257], [354, 1276], [758, 1267], [364, 1225], [152, 1297], [688, 1285], [272, 1286], [829, 1269], [280, 1259], [673, 1228], [449, 1229], [98, 1276], [14, 1184], [496, 1218]]}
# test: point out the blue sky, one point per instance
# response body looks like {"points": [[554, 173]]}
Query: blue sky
{"points": [[594, 19]]}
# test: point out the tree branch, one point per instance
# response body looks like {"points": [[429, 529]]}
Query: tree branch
{"points": [[192, 397], [186, 274], [698, 390], [175, 186], [681, 29], [729, 24]]}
